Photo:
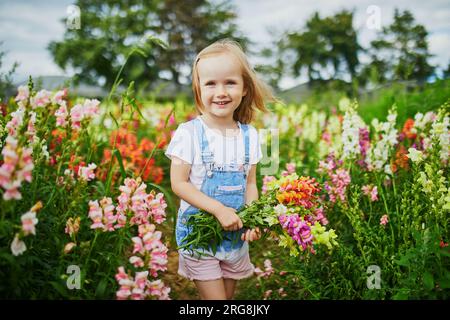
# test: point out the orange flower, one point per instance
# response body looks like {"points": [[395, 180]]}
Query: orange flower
{"points": [[134, 155], [409, 124], [301, 192], [401, 159]]}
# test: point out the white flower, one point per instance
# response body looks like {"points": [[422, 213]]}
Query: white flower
{"points": [[280, 209], [350, 134], [378, 153], [18, 246], [415, 155], [440, 130], [344, 104]]}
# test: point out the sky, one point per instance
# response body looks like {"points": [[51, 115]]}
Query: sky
{"points": [[27, 27]]}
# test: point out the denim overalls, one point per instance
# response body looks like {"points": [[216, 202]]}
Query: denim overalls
{"points": [[228, 187]]}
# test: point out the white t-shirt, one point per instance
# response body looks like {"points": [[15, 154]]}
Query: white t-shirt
{"points": [[229, 151]]}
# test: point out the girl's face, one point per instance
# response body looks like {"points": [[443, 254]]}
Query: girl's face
{"points": [[221, 84]]}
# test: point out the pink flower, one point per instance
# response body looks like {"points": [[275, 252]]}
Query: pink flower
{"points": [[138, 245], [126, 284], [96, 215], [158, 260], [87, 173], [157, 205], [320, 216], [29, 222], [16, 120], [41, 99], [61, 115], [158, 289], [76, 115], [364, 144], [17, 166], [109, 218], [290, 167], [120, 275], [90, 108], [136, 261], [59, 96], [326, 136], [72, 226], [267, 294], [268, 270], [266, 180], [338, 186], [298, 229], [23, 93], [152, 240], [171, 120], [140, 279], [68, 247], [372, 191], [145, 228], [282, 293], [384, 220]]}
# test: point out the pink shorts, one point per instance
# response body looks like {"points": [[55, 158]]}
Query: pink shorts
{"points": [[229, 265]]}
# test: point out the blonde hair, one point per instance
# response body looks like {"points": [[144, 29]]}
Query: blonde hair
{"points": [[257, 91]]}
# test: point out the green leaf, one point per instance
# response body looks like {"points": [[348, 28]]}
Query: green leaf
{"points": [[402, 295], [428, 280], [7, 256], [444, 282], [60, 288], [119, 158], [444, 252], [403, 261], [114, 119], [101, 288]]}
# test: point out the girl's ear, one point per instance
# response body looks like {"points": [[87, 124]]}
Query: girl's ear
{"points": [[244, 92]]}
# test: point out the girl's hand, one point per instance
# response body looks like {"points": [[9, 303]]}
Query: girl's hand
{"points": [[251, 235], [228, 218]]}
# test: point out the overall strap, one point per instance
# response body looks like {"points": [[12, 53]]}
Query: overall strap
{"points": [[207, 155], [246, 144]]}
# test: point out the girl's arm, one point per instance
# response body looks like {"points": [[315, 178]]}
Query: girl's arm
{"points": [[251, 195], [179, 179], [252, 190]]}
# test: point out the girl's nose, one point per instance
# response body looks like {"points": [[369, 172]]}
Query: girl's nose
{"points": [[221, 90]]}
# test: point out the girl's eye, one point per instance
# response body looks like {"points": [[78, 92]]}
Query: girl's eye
{"points": [[208, 84], [231, 82]]}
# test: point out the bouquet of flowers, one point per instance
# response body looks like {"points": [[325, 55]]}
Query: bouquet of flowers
{"points": [[289, 210]]}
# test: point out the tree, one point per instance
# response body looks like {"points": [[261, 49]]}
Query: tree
{"points": [[325, 44], [6, 82], [446, 74], [110, 29], [401, 50]]}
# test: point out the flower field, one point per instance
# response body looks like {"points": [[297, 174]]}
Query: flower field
{"points": [[361, 209]]}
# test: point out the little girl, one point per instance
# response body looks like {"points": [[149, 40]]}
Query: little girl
{"points": [[213, 168]]}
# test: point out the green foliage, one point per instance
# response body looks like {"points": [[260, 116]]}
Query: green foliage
{"points": [[401, 51], [110, 31], [6, 85], [330, 41]]}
